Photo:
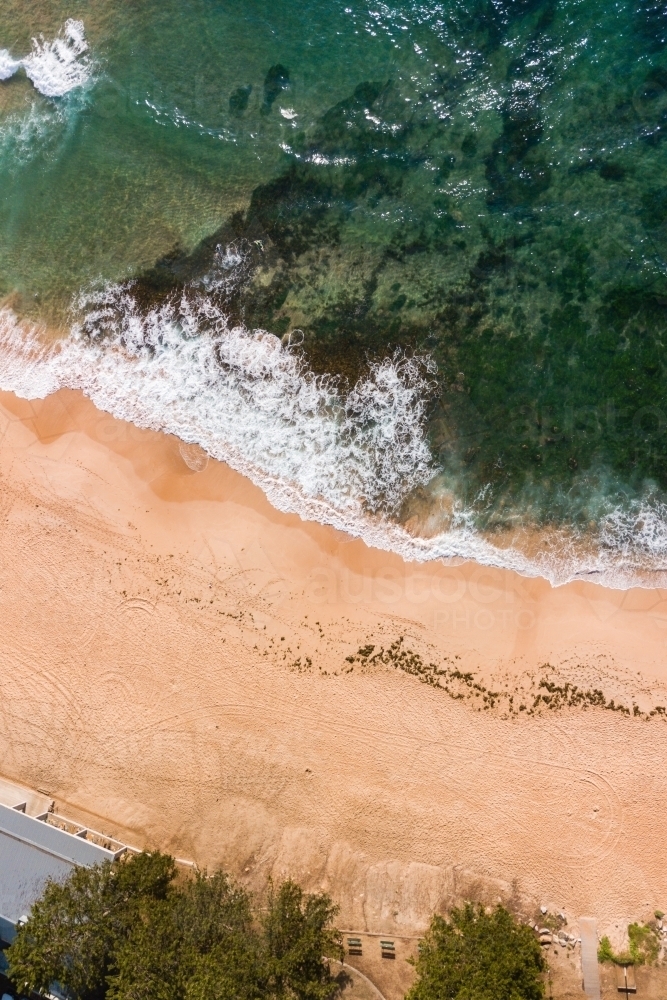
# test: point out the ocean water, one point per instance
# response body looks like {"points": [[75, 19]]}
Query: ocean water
{"points": [[404, 265]]}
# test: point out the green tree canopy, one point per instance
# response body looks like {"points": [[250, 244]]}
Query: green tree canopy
{"points": [[206, 919], [297, 932], [477, 955], [131, 931], [74, 930]]}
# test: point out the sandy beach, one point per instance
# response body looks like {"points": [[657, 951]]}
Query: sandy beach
{"points": [[180, 662]]}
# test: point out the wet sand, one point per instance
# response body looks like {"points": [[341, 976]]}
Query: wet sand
{"points": [[174, 664]]}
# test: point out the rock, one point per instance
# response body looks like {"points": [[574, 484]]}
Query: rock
{"points": [[277, 80], [292, 339], [238, 101], [543, 909]]}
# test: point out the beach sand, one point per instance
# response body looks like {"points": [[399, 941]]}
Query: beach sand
{"points": [[174, 671]]}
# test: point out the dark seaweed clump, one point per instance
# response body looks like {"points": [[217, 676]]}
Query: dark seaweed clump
{"points": [[531, 695]]}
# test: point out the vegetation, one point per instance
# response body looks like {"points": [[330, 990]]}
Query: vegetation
{"points": [[531, 696], [607, 954], [475, 955], [131, 931], [137, 930], [643, 947], [644, 943]]}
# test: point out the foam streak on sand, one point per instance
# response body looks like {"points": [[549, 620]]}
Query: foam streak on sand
{"points": [[344, 460]]}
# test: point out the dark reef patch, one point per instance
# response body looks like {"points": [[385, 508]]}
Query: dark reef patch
{"points": [[276, 80], [651, 20], [394, 224], [238, 101]]}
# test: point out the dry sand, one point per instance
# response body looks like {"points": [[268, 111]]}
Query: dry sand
{"points": [[174, 668]]}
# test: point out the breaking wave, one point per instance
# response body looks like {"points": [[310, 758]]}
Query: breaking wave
{"points": [[54, 67], [8, 65], [242, 396], [348, 459]]}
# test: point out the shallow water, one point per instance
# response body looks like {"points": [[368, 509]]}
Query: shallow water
{"points": [[477, 187]]}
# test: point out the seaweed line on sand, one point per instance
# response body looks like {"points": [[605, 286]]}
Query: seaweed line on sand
{"points": [[541, 694]]}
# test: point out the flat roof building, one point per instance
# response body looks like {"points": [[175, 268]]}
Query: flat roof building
{"points": [[33, 852]]}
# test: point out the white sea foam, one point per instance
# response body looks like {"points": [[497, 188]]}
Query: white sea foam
{"points": [[56, 67], [242, 396], [8, 65], [23, 135], [348, 460], [635, 527]]}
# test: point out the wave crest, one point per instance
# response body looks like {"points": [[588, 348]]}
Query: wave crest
{"points": [[349, 459], [242, 396], [61, 65], [8, 65]]}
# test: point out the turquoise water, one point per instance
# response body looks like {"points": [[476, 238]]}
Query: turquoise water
{"points": [[478, 189]]}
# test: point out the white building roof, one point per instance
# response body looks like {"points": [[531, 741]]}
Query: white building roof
{"points": [[31, 854]]}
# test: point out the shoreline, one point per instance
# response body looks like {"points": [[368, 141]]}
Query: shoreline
{"points": [[176, 659], [457, 596], [306, 479]]}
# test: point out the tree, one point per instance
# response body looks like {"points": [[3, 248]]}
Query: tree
{"points": [[166, 945], [75, 929], [146, 965], [130, 931], [475, 955], [298, 932]]}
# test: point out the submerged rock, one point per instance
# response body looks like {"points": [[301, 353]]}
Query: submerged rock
{"points": [[276, 80], [238, 101]]}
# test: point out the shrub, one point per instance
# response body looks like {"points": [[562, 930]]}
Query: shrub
{"points": [[643, 948], [644, 944], [605, 951]]}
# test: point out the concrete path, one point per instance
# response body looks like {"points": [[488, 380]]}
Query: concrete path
{"points": [[589, 956]]}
